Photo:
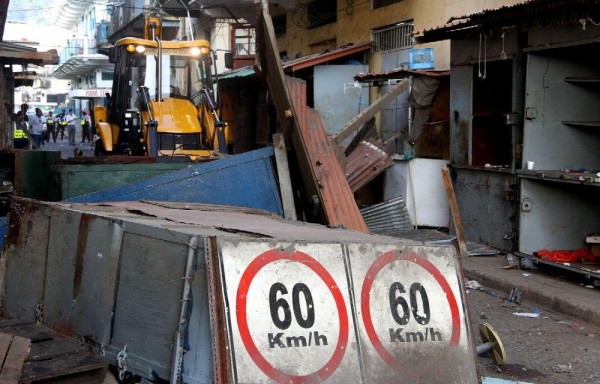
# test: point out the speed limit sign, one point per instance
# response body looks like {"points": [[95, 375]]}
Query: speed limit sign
{"points": [[411, 318], [289, 312]]}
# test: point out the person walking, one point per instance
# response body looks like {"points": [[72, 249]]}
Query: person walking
{"points": [[71, 121], [61, 119], [51, 127], [86, 123], [38, 124]]}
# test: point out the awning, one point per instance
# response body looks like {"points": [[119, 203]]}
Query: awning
{"points": [[320, 58], [89, 93], [81, 65], [18, 54], [526, 14]]}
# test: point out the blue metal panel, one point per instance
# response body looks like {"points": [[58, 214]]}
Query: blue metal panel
{"points": [[3, 229], [245, 180]]}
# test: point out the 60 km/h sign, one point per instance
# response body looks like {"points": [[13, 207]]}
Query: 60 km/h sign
{"points": [[292, 322], [411, 316]]}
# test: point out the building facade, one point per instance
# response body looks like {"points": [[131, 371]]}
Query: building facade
{"points": [[88, 72]]}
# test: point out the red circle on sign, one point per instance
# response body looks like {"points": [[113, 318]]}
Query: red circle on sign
{"points": [[251, 271], [374, 269]]}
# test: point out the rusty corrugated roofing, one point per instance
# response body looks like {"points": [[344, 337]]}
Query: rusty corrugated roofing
{"points": [[320, 58], [366, 162], [527, 14], [334, 192]]}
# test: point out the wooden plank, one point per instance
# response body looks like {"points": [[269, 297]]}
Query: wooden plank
{"points": [[285, 181], [370, 111], [88, 367], [34, 332], [12, 322], [5, 341], [272, 69], [53, 348], [15, 358], [460, 234]]}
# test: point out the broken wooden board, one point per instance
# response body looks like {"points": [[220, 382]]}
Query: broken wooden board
{"points": [[13, 352], [37, 354]]}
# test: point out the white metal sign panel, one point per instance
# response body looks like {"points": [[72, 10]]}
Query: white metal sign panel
{"points": [[410, 315], [289, 313]]}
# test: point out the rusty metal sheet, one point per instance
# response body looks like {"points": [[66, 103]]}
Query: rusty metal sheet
{"points": [[334, 192], [321, 172], [411, 318], [290, 318], [367, 161]]}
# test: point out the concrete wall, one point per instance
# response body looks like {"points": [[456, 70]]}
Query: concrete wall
{"points": [[356, 20]]}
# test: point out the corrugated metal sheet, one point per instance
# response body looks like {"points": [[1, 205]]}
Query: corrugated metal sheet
{"points": [[388, 218], [364, 164], [239, 73], [527, 14], [335, 194]]}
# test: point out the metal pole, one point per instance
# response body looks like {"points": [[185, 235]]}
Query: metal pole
{"points": [[183, 313]]}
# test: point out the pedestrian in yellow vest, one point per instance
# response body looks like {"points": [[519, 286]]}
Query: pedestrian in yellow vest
{"points": [[86, 124], [51, 127]]}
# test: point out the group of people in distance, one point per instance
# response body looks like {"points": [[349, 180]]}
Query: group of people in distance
{"points": [[43, 128]]}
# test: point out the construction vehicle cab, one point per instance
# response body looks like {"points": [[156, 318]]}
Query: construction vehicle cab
{"points": [[162, 100]]}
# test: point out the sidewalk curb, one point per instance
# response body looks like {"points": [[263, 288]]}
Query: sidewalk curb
{"points": [[554, 298]]}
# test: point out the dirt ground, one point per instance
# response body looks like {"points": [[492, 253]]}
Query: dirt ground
{"points": [[549, 349]]}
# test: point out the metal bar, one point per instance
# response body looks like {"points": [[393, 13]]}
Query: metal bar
{"points": [[183, 312]]}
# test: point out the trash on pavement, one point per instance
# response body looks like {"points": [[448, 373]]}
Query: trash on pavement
{"points": [[495, 380], [514, 297], [513, 261], [473, 284], [563, 368], [526, 314]]}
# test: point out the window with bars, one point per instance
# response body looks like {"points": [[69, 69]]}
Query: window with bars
{"points": [[244, 40], [397, 36], [383, 3]]}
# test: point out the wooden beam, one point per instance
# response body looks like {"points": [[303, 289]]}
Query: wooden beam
{"points": [[369, 112], [10, 371], [460, 234], [283, 173]]}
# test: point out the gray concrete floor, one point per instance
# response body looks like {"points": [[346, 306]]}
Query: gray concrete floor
{"points": [[66, 150]]}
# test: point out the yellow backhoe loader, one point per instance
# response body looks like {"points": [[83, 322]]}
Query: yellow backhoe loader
{"points": [[162, 101]]}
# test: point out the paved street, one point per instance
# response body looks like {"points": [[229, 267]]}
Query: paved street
{"points": [[551, 348], [68, 151]]}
